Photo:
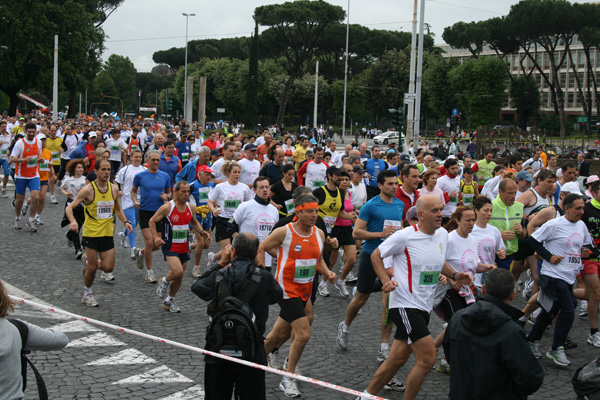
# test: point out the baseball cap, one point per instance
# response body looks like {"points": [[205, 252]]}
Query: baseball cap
{"points": [[215, 152], [571, 187], [313, 141], [405, 157], [40, 136], [591, 179], [205, 168], [524, 175], [358, 169], [92, 134], [309, 153], [250, 147], [333, 170]]}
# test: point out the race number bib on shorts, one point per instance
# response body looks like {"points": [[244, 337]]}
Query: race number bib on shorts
{"points": [[329, 222], [305, 271], [104, 209], [428, 278], [180, 233], [392, 222]]}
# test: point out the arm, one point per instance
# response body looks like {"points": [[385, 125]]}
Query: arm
{"points": [[379, 268], [198, 228], [83, 195], [162, 212], [133, 195], [301, 172], [462, 278], [360, 231], [271, 243], [545, 254], [540, 218], [119, 211], [44, 339], [322, 267]]}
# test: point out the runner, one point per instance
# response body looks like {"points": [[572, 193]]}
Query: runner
{"points": [[100, 201], [299, 250], [469, 189], [70, 187], [487, 237], [125, 180], [174, 241], [46, 175], [199, 190], [418, 253], [450, 186], [250, 167], [26, 154], [4, 149], [155, 190], [118, 148], [429, 179], [169, 162], [315, 171], [282, 191]]}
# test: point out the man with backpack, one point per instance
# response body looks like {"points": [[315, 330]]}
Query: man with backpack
{"points": [[239, 290]]}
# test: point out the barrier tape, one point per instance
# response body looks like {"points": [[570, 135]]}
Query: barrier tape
{"points": [[199, 350]]}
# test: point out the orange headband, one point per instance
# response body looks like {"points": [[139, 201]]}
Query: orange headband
{"points": [[307, 206]]}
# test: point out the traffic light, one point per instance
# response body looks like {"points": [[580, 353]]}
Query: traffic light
{"points": [[398, 117], [2, 50], [169, 105]]}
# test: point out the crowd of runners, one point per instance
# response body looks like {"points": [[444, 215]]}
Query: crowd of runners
{"points": [[419, 232]]}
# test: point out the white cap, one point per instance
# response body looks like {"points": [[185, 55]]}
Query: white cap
{"points": [[571, 187], [92, 134], [40, 136]]}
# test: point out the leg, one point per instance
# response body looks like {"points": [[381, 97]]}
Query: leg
{"points": [[301, 329], [424, 350], [35, 197], [279, 334], [386, 330], [199, 248], [175, 275], [19, 204], [399, 354], [92, 262], [217, 380], [354, 306], [592, 284], [148, 248], [42, 199], [349, 260], [131, 214]]}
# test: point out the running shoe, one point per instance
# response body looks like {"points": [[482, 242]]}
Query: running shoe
{"points": [[171, 306], [161, 290], [4, 194], [323, 291], [569, 344], [53, 200], [24, 209], [443, 367], [31, 226], [528, 290], [123, 237], [79, 254], [273, 360], [18, 224], [133, 249], [350, 278], [395, 385], [382, 354], [558, 356], [583, 308], [139, 259], [211, 258], [38, 220], [289, 387], [341, 286], [535, 349], [107, 276], [197, 271], [342, 337], [594, 339], [88, 300], [150, 277]]}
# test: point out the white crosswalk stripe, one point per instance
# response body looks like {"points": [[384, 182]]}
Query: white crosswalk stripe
{"points": [[162, 374]]}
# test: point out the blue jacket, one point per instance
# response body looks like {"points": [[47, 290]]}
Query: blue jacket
{"points": [[187, 173], [79, 151], [169, 167]]}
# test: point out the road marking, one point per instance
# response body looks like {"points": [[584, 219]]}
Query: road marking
{"points": [[75, 326], [125, 357], [162, 374], [194, 393], [96, 340]]}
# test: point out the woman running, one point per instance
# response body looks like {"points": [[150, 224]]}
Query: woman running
{"points": [[281, 192], [70, 186]]}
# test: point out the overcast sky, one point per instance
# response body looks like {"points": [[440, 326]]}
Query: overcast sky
{"points": [[138, 28]]}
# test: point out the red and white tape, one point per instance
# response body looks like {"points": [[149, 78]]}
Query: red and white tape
{"points": [[199, 350]]}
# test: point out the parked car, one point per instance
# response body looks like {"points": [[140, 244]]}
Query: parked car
{"points": [[387, 137]]}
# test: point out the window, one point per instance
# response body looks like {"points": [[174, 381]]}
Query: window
{"points": [[571, 80], [582, 58], [570, 97]]}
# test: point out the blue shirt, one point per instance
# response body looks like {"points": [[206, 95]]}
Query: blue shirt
{"points": [[373, 168], [376, 212], [195, 191], [151, 186], [170, 167], [184, 148]]}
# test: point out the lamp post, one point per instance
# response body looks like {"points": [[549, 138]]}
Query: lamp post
{"points": [[346, 74], [185, 68]]}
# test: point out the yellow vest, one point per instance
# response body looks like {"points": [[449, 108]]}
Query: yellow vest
{"points": [[330, 208], [468, 192], [99, 213], [53, 146]]}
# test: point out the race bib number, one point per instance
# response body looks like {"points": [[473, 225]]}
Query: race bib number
{"points": [[115, 149], [203, 195], [44, 167], [55, 155], [180, 233], [104, 209], [133, 147], [289, 205], [3, 153], [305, 271], [32, 162], [468, 199], [428, 278], [329, 223], [264, 230], [288, 160], [453, 200], [185, 156], [231, 204], [573, 260], [318, 184], [392, 222]]}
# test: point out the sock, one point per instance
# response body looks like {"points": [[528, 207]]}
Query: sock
{"points": [[30, 219], [593, 330], [384, 346], [17, 218], [345, 327], [37, 215], [365, 392], [169, 298], [87, 290]]}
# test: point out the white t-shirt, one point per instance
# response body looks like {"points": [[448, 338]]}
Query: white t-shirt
{"points": [[19, 148], [462, 254], [489, 241], [4, 145], [217, 168], [315, 175], [125, 177], [491, 187], [73, 185], [563, 238], [71, 142], [449, 185], [195, 149], [250, 170], [257, 219], [359, 194], [229, 197], [259, 140], [115, 147], [417, 259]]}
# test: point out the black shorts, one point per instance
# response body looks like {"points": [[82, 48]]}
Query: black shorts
{"points": [[343, 234], [100, 244], [183, 257], [366, 274], [43, 183], [56, 168], [525, 250], [451, 303], [144, 219], [411, 324], [292, 309], [221, 229]]}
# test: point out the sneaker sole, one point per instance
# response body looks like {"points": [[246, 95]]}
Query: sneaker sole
{"points": [[549, 356], [89, 305], [593, 344], [288, 395], [169, 309], [394, 388]]}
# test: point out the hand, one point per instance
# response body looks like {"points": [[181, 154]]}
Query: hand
{"points": [[71, 195], [585, 253], [74, 227], [501, 254], [164, 197], [333, 242], [389, 286], [556, 259], [489, 267], [227, 255], [452, 194], [517, 228], [331, 276], [158, 241], [388, 231], [508, 235], [463, 278], [120, 194], [136, 204], [216, 212], [455, 285], [442, 279], [130, 229], [278, 206]]}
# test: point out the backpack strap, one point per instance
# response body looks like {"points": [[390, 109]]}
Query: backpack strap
{"points": [[24, 333], [253, 286]]}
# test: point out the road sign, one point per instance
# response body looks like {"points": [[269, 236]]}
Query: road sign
{"points": [[409, 98], [454, 112], [220, 110], [581, 119], [148, 109], [448, 120]]}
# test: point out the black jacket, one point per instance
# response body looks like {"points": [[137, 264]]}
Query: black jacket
{"points": [[488, 354], [584, 169]]}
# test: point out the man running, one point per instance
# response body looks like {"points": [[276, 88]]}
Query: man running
{"points": [[419, 254], [299, 250], [178, 216], [155, 190], [100, 203]]}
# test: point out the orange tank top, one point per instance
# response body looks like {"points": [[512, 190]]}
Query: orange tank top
{"points": [[133, 145], [29, 169], [297, 262]]}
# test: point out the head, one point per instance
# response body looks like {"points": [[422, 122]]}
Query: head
{"points": [[102, 153], [498, 170], [463, 219], [362, 148], [580, 157], [537, 154], [489, 155], [410, 177], [76, 167], [428, 160], [429, 211], [136, 157], [204, 155], [552, 161], [318, 152], [182, 191], [545, 182], [229, 151], [468, 163], [573, 205], [232, 171], [3, 125], [515, 162], [482, 206], [388, 183], [250, 154], [169, 148], [245, 245], [7, 305], [507, 190], [375, 152], [30, 130], [153, 158], [430, 177], [568, 170], [451, 166], [307, 209], [332, 146], [500, 284], [333, 174], [102, 169], [261, 187]]}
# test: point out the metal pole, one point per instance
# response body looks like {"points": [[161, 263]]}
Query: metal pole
{"points": [[346, 73], [411, 86], [79, 103], [419, 79], [86, 99], [185, 68], [316, 95], [55, 82]]}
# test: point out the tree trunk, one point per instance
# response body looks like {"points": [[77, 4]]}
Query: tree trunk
{"points": [[14, 102], [284, 98], [71, 113]]}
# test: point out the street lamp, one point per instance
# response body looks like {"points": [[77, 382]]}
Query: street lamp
{"points": [[185, 71], [346, 73]]}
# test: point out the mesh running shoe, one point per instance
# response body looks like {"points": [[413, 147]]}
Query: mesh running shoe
{"points": [[341, 286], [150, 277], [161, 290], [289, 387], [171, 306], [395, 385], [107, 276], [342, 337], [88, 300], [558, 356], [535, 349]]}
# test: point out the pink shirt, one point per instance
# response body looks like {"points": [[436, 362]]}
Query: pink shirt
{"points": [[437, 192], [348, 207]]}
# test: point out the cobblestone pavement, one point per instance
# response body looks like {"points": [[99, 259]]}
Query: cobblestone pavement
{"points": [[101, 363]]}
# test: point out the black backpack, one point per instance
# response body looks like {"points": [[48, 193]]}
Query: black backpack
{"points": [[24, 332], [231, 330]]}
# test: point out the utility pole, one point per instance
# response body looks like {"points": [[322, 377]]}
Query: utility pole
{"points": [[185, 72], [316, 95], [419, 80], [55, 82], [346, 72], [411, 86]]}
